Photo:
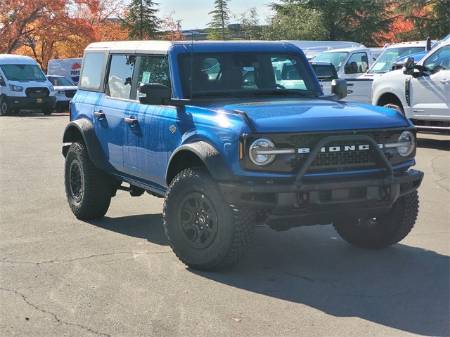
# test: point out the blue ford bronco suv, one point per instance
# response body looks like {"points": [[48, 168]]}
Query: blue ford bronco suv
{"points": [[233, 134]]}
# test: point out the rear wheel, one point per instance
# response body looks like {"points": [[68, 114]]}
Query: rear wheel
{"points": [[203, 230], [47, 111], [88, 189], [384, 230]]}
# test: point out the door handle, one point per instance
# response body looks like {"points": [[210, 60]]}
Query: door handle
{"points": [[445, 81], [99, 115], [131, 121]]}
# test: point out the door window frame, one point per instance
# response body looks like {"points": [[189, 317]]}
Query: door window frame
{"points": [[356, 53], [132, 96]]}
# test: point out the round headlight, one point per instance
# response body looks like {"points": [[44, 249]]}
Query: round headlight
{"points": [[407, 143], [256, 152]]}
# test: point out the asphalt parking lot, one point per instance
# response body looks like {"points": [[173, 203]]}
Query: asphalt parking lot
{"points": [[118, 276]]}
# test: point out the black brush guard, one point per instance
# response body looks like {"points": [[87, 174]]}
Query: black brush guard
{"points": [[304, 196]]}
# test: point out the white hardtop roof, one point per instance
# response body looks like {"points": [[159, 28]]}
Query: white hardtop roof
{"points": [[16, 59]]}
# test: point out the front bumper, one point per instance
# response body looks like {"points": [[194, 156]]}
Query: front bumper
{"points": [[17, 102], [322, 200]]}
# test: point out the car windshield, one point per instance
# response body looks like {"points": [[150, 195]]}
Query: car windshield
{"points": [[246, 74], [23, 72], [335, 58], [60, 81], [387, 58]]}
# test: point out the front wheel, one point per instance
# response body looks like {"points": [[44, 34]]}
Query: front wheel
{"points": [[4, 107], [384, 230], [203, 230], [88, 189]]}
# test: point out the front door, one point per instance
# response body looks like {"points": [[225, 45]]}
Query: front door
{"points": [[430, 93], [153, 130]]}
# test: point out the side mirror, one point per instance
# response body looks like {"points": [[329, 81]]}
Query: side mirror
{"points": [[2, 82], [408, 66], [154, 94], [339, 88]]}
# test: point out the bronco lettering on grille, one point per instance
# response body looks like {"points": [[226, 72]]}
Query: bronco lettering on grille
{"points": [[339, 148]]}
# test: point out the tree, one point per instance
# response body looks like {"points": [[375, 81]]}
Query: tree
{"points": [[141, 19], [430, 17], [250, 28], [171, 28], [220, 20], [354, 20]]}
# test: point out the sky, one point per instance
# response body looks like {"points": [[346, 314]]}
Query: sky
{"points": [[194, 13]]}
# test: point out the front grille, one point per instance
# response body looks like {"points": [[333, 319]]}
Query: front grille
{"points": [[341, 160], [328, 160], [70, 93], [37, 92]]}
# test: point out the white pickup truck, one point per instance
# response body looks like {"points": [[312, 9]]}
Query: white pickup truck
{"points": [[360, 83], [421, 91]]}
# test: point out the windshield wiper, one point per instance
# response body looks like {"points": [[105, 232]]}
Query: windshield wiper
{"points": [[286, 92]]}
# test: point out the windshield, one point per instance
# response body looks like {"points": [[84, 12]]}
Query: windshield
{"points": [[246, 74], [60, 81], [387, 58], [335, 58], [23, 72]]}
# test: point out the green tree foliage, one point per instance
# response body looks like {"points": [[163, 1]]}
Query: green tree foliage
{"points": [[250, 28], [220, 19], [430, 17], [292, 22], [354, 20], [141, 19]]}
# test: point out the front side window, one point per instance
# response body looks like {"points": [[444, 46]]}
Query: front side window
{"points": [[335, 58], [357, 63], [154, 69], [91, 76], [387, 58], [23, 72], [245, 74], [120, 77], [439, 60]]}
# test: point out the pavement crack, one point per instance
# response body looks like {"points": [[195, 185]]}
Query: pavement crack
{"points": [[5, 260], [53, 315], [438, 174]]}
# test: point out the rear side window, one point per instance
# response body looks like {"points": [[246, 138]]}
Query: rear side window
{"points": [[92, 74], [120, 77]]}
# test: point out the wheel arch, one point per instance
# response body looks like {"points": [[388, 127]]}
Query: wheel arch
{"points": [[82, 130], [389, 97], [198, 154]]}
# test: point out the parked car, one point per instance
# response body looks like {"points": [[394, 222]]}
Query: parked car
{"points": [[361, 86], [23, 85], [65, 90], [227, 154], [421, 91], [69, 68]]}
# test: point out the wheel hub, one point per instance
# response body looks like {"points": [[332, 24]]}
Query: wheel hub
{"points": [[76, 181], [198, 220]]}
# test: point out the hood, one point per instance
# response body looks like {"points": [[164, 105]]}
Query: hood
{"points": [[31, 84], [312, 115]]}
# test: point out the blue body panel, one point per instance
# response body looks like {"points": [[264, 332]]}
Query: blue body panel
{"points": [[141, 153]]}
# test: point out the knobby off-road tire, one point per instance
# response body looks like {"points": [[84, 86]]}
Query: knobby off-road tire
{"points": [[88, 189], [203, 230], [5, 109], [382, 231]]}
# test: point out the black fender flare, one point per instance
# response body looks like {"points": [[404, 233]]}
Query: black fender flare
{"points": [[208, 155], [84, 128]]}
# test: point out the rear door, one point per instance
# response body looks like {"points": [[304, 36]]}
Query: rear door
{"points": [[430, 93], [113, 106]]}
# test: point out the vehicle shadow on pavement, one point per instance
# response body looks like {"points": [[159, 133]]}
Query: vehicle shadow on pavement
{"points": [[401, 287], [144, 226], [437, 144]]}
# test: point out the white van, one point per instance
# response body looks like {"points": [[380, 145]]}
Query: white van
{"points": [[23, 85]]}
